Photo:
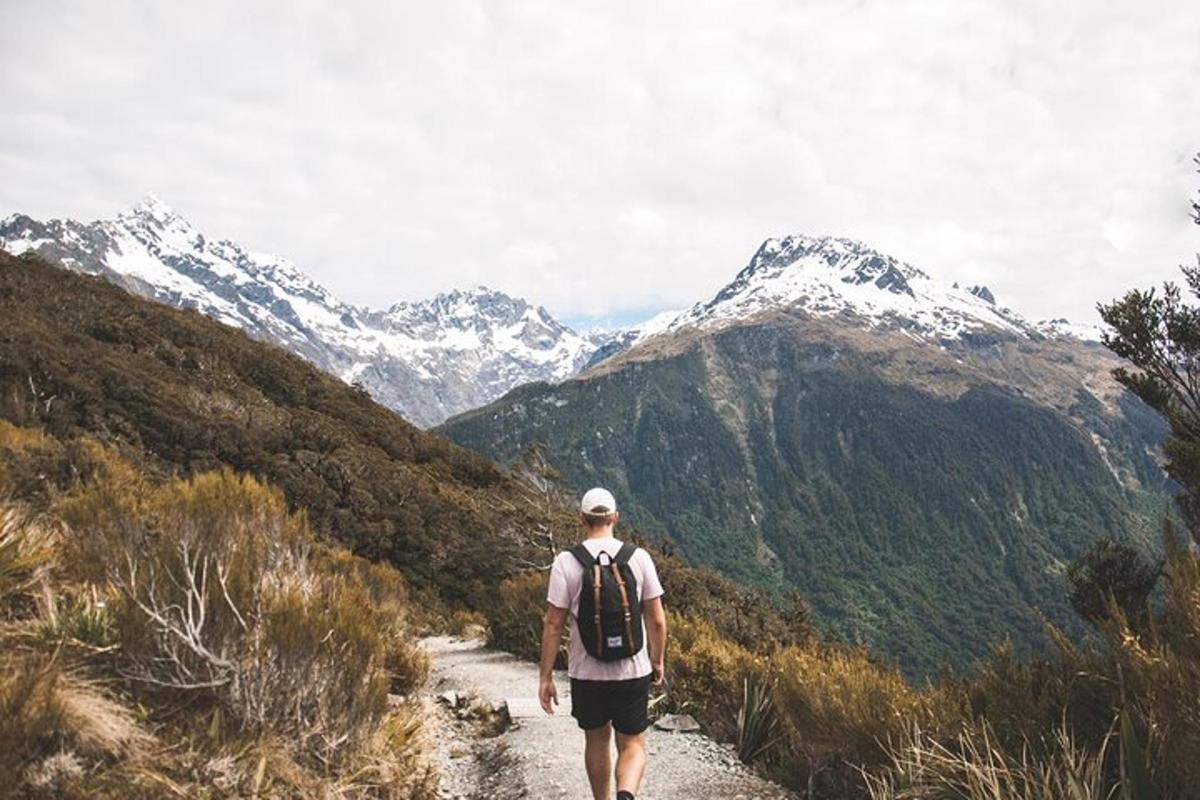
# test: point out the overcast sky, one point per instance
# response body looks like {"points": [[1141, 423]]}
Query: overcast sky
{"points": [[611, 159]]}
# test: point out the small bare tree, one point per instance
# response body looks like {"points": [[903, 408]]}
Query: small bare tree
{"points": [[542, 489]]}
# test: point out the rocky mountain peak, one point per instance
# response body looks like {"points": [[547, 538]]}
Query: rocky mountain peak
{"points": [[152, 208], [983, 293], [828, 276]]}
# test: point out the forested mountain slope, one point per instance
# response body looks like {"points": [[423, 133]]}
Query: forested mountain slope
{"points": [[924, 487]]}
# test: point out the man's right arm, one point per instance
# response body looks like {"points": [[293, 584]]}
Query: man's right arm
{"points": [[558, 600], [656, 635], [552, 629]]}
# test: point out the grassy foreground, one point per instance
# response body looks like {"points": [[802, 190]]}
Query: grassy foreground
{"points": [[190, 638]]}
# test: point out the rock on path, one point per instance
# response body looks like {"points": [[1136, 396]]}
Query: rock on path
{"points": [[541, 757]]}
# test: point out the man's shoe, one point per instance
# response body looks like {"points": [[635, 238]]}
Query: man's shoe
{"points": [[623, 795]]}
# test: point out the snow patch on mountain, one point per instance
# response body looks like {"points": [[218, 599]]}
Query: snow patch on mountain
{"points": [[1064, 329]]}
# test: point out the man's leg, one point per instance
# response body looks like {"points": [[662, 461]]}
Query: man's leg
{"points": [[597, 756], [631, 762]]}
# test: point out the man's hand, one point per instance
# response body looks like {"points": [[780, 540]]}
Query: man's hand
{"points": [[658, 676], [547, 694]]}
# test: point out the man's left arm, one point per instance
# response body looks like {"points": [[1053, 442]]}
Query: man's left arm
{"points": [[655, 618], [656, 635]]}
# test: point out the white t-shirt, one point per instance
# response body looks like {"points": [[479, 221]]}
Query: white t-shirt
{"points": [[566, 582]]}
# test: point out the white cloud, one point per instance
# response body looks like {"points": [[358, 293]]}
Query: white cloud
{"points": [[396, 149]]}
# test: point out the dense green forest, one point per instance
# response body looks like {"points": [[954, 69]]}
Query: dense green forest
{"points": [[926, 525]]}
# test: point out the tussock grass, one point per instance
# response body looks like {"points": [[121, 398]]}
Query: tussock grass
{"points": [[974, 767], [45, 709], [27, 549]]}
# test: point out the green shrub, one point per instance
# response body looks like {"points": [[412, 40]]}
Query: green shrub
{"points": [[1111, 572], [757, 721], [515, 618], [83, 619], [1156, 673]]}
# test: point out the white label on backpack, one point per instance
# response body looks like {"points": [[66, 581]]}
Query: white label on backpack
{"points": [[615, 641]]}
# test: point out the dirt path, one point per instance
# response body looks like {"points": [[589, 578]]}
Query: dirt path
{"points": [[541, 757]]}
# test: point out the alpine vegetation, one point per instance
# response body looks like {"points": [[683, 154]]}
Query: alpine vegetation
{"points": [[200, 612]]}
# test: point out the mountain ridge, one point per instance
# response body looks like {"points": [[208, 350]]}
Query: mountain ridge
{"points": [[435, 358], [426, 359]]}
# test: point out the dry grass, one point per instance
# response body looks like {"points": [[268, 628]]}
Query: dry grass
{"points": [[99, 724], [27, 549], [264, 660], [973, 767], [45, 710]]}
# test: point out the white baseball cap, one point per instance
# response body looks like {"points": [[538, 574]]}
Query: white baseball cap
{"points": [[597, 499]]}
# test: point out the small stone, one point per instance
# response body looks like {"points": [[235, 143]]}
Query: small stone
{"points": [[449, 698], [682, 723]]}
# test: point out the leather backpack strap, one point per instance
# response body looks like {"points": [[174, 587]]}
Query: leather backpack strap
{"points": [[625, 553], [596, 595], [624, 606]]}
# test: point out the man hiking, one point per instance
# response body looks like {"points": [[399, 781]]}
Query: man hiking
{"points": [[610, 592]]}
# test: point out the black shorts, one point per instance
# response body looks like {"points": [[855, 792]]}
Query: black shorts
{"points": [[623, 703]]}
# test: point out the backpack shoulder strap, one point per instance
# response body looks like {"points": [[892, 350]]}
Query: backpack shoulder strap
{"points": [[583, 556], [625, 553]]}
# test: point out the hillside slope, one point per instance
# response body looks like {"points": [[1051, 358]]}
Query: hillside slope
{"points": [[80, 355]]}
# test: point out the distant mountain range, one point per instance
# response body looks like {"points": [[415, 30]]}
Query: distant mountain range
{"points": [[432, 359], [427, 360], [920, 462]]}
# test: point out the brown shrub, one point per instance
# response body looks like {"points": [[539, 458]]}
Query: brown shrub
{"points": [[217, 596], [838, 707], [705, 672]]}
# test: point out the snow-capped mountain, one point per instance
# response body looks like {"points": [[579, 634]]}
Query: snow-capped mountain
{"points": [[436, 358], [840, 277], [428, 360]]}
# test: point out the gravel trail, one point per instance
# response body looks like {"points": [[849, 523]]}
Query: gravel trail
{"points": [[541, 757]]}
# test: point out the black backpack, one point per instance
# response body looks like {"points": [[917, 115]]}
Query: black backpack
{"points": [[610, 611]]}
